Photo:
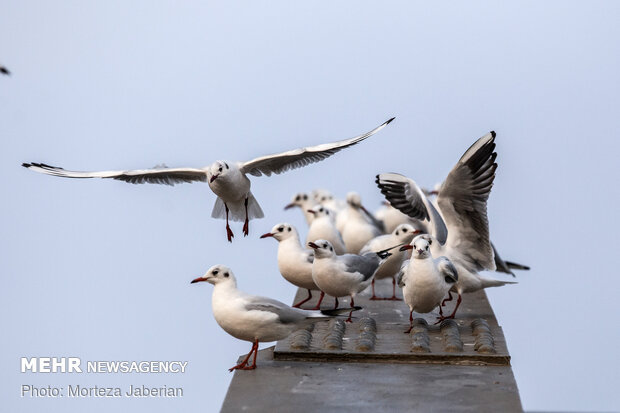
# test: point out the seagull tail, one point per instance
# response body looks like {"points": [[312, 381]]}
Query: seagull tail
{"points": [[490, 282], [338, 311], [516, 266], [236, 210]]}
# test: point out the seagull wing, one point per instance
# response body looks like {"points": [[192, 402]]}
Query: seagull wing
{"points": [[285, 313], [447, 270], [282, 162], [463, 199], [157, 175], [406, 196]]}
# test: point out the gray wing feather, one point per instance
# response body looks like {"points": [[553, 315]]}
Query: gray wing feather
{"points": [[401, 277], [285, 313], [282, 162], [406, 196], [157, 175], [447, 269], [463, 203], [365, 264]]}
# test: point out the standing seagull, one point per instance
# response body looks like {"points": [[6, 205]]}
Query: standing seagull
{"points": [[324, 227], [294, 261], [403, 234], [360, 226], [461, 226], [253, 318], [342, 275], [226, 179], [425, 281]]}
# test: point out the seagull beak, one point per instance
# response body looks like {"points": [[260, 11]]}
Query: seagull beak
{"points": [[199, 279], [417, 231], [406, 247], [269, 234], [313, 245], [312, 212], [365, 210], [289, 206], [213, 178]]}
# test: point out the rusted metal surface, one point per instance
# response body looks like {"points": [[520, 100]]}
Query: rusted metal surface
{"points": [[370, 365]]}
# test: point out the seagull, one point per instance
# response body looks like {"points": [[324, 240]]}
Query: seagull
{"points": [[305, 202], [403, 234], [507, 266], [342, 275], [460, 224], [294, 261], [228, 180], [425, 280], [323, 227], [4, 71], [253, 318], [358, 230]]}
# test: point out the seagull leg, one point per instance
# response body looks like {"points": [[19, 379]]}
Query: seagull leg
{"points": [[245, 360], [229, 232], [349, 320], [246, 225], [447, 299], [318, 305], [303, 301], [410, 322], [374, 297], [441, 317], [393, 297], [253, 366]]}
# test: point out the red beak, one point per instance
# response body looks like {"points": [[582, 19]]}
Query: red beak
{"points": [[312, 212], [313, 245], [214, 177], [289, 206], [406, 247], [199, 279], [269, 234]]}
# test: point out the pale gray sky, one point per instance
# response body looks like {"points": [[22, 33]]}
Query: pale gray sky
{"points": [[101, 269]]}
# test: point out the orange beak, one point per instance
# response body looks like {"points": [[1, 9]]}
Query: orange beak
{"points": [[199, 279], [269, 234], [406, 247]]}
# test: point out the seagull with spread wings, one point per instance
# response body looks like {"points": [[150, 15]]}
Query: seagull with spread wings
{"points": [[228, 180], [460, 227]]}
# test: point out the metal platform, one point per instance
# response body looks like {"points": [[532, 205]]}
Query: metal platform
{"points": [[370, 364]]}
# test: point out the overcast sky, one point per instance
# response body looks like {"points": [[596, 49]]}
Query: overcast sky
{"points": [[101, 269]]}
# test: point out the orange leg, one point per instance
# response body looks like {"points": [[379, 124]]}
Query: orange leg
{"points": [[229, 233], [246, 224], [303, 301], [410, 322], [243, 365], [318, 305]]}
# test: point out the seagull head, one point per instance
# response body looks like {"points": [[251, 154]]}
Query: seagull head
{"points": [[355, 201], [322, 248], [321, 195], [281, 232], [421, 246], [405, 232], [299, 200], [320, 211], [217, 169], [218, 274]]}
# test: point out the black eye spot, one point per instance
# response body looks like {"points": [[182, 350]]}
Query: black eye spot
{"points": [[281, 229], [215, 272], [226, 165], [331, 249], [305, 197], [427, 248], [321, 210], [297, 198], [404, 230], [396, 233], [324, 245], [289, 229], [220, 169], [226, 274], [430, 242]]}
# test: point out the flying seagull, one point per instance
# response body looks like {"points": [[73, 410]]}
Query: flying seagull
{"points": [[228, 180]]}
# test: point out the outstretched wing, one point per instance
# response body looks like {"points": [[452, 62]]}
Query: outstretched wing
{"points": [[463, 199], [406, 196], [157, 175], [282, 162]]}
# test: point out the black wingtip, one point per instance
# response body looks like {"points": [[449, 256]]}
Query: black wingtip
{"points": [[26, 165], [492, 133], [391, 119]]}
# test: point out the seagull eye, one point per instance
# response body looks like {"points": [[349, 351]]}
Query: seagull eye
{"points": [[280, 229], [305, 197], [220, 169], [324, 245], [320, 209], [331, 249], [215, 272], [404, 230], [397, 233], [226, 274], [289, 229], [297, 198], [430, 242]]}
